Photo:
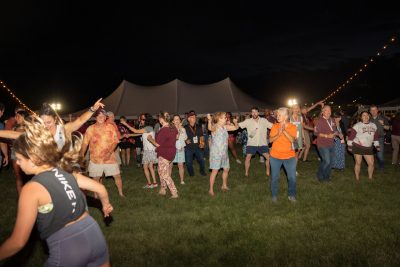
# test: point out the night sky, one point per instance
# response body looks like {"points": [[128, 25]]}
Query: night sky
{"points": [[76, 53]]}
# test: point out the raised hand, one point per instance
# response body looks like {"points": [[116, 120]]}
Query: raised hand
{"points": [[98, 104]]}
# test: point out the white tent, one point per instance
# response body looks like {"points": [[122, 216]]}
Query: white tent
{"points": [[178, 97]]}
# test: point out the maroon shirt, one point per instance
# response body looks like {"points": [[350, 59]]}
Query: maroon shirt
{"points": [[324, 126], [166, 138]]}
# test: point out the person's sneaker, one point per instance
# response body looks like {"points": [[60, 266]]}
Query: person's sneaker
{"points": [[182, 182], [154, 185], [297, 174], [148, 186], [274, 200], [262, 160], [292, 199], [238, 161]]}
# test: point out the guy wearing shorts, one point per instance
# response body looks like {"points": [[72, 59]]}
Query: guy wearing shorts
{"points": [[257, 138], [102, 139]]}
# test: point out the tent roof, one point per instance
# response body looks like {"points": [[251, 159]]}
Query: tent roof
{"points": [[178, 97]]}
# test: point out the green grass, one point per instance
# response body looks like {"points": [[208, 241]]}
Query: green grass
{"points": [[341, 223]]}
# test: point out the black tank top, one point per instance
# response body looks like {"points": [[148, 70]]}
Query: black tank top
{"points": [[68, 201]]}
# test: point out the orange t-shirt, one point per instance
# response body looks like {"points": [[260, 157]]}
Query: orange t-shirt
{"points": [[282, 147]]}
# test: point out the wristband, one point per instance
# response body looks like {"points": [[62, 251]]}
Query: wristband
{"points": [[91, 109]]}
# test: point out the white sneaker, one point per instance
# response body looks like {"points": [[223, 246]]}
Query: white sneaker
{"points": [[182, 182], [238, 161], [148, 186], [292, 199], [154, 185]]}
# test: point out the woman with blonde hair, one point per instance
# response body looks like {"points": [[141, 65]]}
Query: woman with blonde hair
{"points": [[219, 158], [54, 201], [297, 120]]}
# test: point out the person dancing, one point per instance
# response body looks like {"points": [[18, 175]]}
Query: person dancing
{"points": [[362, 136], [166, 149], [54, 201], [219, 148], [232, 138], [180, 148]]}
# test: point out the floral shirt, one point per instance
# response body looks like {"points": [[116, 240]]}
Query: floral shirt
{"points": [[102, 140]]}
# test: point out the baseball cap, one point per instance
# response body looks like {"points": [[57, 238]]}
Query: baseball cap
{"points": [[191, 113], [102, 111]]}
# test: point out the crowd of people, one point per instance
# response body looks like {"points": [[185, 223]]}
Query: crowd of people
{"points": [[50, 159]]}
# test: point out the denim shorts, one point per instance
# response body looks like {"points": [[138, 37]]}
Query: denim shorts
{"points": [[78, 244], [254, 149]]}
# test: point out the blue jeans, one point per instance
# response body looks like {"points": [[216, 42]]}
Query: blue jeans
{"points": [[290, 167], [198, 154], [206, 148], [380, 153], [324, 169]]}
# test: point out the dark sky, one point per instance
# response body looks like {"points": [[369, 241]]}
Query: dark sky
{"points": [[76, 53]]}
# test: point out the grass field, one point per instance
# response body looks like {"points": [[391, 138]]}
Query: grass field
{"points": [[340, 223]]}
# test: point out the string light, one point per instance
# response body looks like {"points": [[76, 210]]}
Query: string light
{"points": [[357, 73], [16, 98]]}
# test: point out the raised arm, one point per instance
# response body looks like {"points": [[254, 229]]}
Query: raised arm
{"points": [[96, 187], [76, 124], [316, 105], [134, 130], [10, 134]]}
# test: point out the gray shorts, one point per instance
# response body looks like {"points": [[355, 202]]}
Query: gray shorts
{"points": [[78, 244]]}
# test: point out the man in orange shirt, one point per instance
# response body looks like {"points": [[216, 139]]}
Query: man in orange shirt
{"points": [[102, 139], [282, 135]]}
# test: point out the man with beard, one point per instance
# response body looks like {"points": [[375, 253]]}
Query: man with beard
{"points": [[257, 128]]}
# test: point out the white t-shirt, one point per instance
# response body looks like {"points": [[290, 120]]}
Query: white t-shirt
{"points": [[257, 131], [59, 136], [146, 143]]}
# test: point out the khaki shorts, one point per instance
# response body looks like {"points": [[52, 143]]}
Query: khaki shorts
{"points": [[97, 170]]}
